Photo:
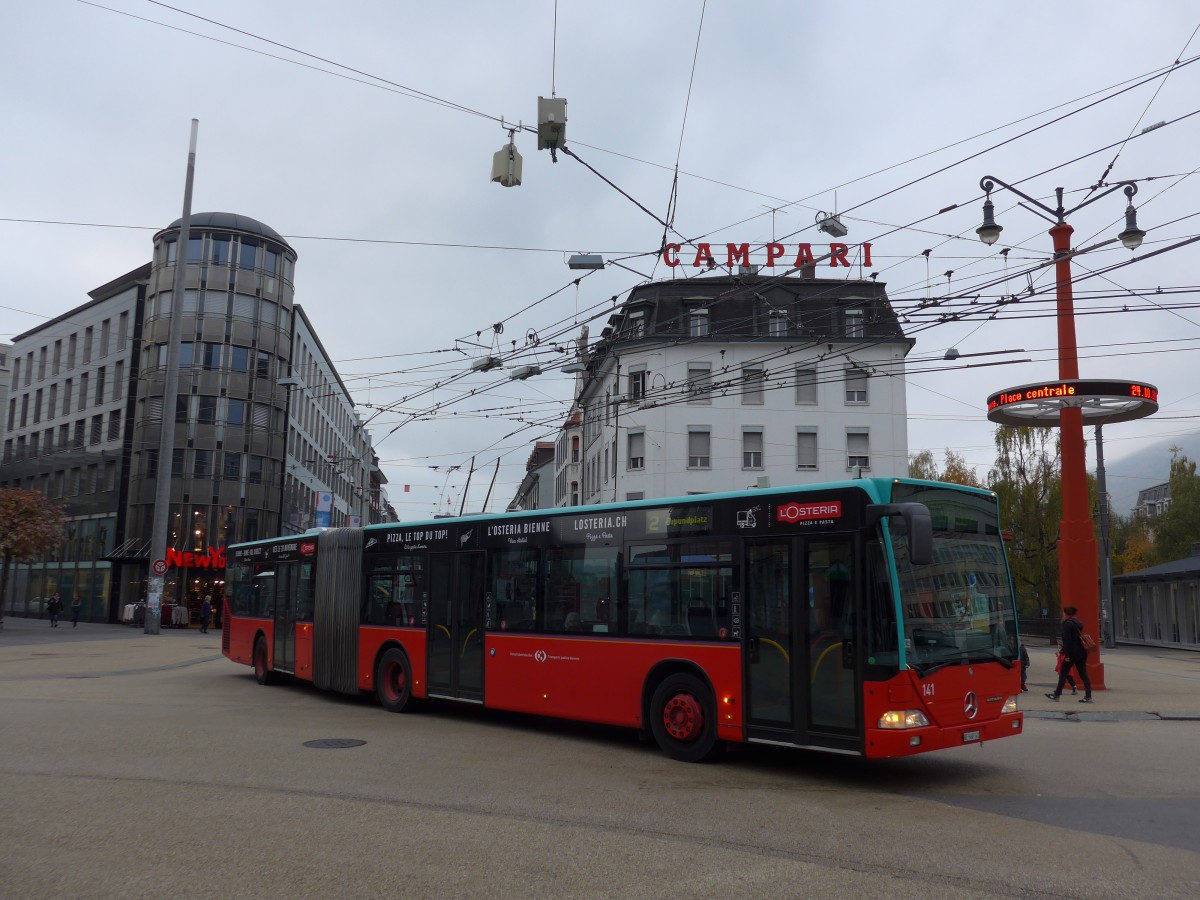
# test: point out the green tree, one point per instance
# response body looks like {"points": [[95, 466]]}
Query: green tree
{"points": [[956, 471], [1028, 484], [1179, 526], [30, 525]]}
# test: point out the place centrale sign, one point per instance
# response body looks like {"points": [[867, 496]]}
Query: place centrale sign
{"points": [[739, 255]]}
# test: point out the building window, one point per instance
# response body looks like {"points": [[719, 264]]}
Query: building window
{"points": [[752, 449], [114, 425], [239, 359], [97, 429], [698, 450], [37, 406], [699, 383], [637, 451], [752, 386], [105, 334], [854, 319], [71, 342], [231, 468], [777, 324], [637, 386], [636, 495], [202, 463], [256, 470], [87, 345], [122, 331], [118, 381], [235, 412], [806, 450], [80, 425], [856, 386], [42, 364], [858, 450], [83, 389], [56, 362], [66, 406], [806, 387], [697, 321], [99, 386], [574, 493], [181, 408], [637, 325], [211, 357]]}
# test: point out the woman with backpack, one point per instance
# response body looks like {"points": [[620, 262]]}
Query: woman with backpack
{"points": [[1075, 651]]}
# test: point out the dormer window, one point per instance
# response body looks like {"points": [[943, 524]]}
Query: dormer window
{"points": [[697, 321], [855, 320]]}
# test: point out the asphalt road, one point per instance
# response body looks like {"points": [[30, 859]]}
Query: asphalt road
{"points": [[150, 766]]}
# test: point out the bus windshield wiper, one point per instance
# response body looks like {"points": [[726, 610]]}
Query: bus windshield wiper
{"points": [[923, 673]]}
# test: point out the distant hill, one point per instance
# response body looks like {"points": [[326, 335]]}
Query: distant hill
{"points": [[1150, 465]]}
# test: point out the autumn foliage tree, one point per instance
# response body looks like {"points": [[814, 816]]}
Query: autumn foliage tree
{"points": [[955, 471], [30, 525]]}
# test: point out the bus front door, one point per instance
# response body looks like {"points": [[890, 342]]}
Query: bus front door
{"points": [[455, 658], [801, 653], [285, 617]]}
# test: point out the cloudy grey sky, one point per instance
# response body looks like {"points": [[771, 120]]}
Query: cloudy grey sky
{"points": [[373, 161]]}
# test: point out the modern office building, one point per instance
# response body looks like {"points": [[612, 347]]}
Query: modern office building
{"points": [[266, 438], [729, 382]]}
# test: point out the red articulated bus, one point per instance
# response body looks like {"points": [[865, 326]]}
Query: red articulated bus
{"points": [[873, 617]]}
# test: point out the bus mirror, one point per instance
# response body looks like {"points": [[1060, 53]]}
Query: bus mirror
{"points": [[917, 524]]}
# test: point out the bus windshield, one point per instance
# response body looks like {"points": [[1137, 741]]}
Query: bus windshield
{"points": [[960, 608]]}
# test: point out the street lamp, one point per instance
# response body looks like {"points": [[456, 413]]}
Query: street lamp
{"points": [[1078, 562]]}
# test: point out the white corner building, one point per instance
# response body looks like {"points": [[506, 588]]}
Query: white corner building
{"points": [[731, 382]]}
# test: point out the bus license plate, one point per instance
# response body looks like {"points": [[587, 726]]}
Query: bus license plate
{"points": [[970, 736]]}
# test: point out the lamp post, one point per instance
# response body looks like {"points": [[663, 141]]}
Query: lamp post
{"points": [[1078, 564]]}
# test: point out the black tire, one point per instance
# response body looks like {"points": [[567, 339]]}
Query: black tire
{"points": [[683, 718], [262, 667], [393, 681]]}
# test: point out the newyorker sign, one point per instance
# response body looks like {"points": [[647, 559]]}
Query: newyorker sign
{"points": [[739, 255]]}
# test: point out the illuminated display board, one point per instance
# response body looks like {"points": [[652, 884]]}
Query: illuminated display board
{"points": [[1100, 401]]}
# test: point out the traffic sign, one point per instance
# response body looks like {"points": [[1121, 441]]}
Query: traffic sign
{"points": [[159, 567]]}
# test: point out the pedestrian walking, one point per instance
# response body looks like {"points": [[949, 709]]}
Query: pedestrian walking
{"points": [[206, 609], [54, 608], [1059, 662], [1024, 667], [75, 607], [1075, 655]]}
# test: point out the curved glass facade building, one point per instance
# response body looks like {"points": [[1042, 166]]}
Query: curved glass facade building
{"points": [[230, 417]]}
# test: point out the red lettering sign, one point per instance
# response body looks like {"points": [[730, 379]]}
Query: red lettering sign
{"points": [[739, 254], [214, 559], [806, 512], [308, 548]]}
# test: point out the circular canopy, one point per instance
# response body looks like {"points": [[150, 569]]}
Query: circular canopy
{"points": [[1039, 405], [230, 222]]}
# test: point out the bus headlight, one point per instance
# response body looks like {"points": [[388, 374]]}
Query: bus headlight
{"points": [[903, 718], [1010, 706]]}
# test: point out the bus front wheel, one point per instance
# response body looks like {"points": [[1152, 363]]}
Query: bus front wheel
{"points": [[262, 669], [683, 719], [393, 681]]}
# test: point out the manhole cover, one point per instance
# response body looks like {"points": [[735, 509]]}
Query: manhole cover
{"points": [[334, 743]]}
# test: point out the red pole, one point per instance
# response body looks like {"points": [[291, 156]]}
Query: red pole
{"points": [[1078, 560]]}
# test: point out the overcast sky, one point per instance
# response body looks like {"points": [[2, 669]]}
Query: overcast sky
{"points": [[406, 250]]}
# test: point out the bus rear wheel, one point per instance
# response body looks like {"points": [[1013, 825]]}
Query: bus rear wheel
{"points": [[262, 668], [683, 719], [393, 681]]}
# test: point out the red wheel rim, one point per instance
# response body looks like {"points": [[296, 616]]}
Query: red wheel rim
{"points": [[394, 681], [683, 717]]}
